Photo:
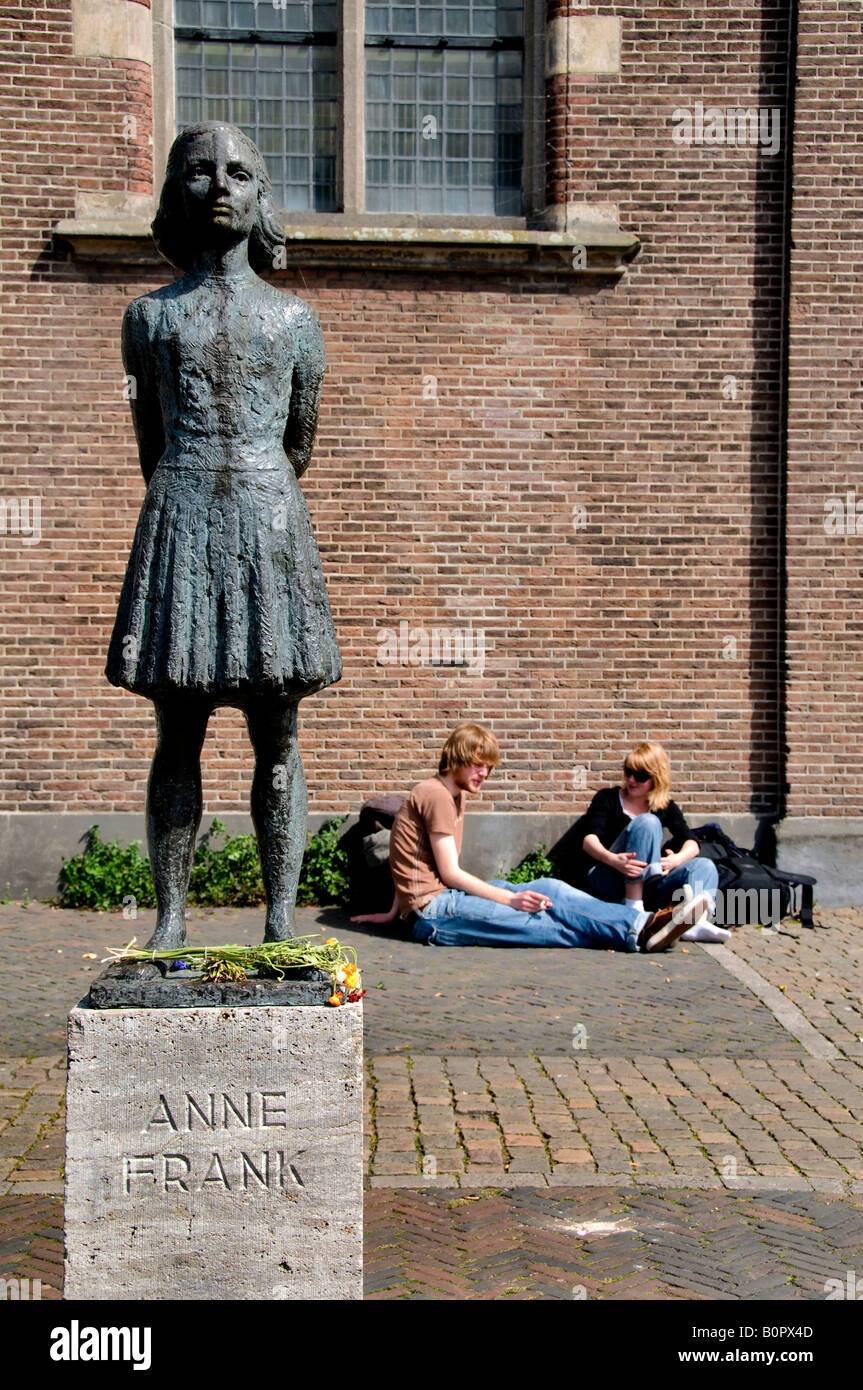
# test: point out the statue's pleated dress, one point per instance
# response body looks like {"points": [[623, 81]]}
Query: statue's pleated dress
{"points": [[224, 592]]}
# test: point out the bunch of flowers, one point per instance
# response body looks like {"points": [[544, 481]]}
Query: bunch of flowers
{"points": [[348, 976], [217, 964]]}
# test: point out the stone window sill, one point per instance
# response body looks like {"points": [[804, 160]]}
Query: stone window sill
{"points": [[480, 250]]}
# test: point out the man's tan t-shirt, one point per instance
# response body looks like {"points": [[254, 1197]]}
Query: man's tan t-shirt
{"points": [[431, 809]]}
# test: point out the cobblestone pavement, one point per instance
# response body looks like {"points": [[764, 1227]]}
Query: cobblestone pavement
{"points": [[597, 1243], [422, 998], [704, 1111], [606, 1244], [710, 1122]]}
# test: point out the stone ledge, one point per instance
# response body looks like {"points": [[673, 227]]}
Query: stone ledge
{"points": [[480, 250], [32, 843], [828, 847]]}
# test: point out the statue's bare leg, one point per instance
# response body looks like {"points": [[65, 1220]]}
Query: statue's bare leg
{"points": [[174, 806], [278, 808]]}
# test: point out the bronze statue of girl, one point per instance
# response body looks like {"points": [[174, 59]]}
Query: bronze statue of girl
{"points": [[224, 601]]}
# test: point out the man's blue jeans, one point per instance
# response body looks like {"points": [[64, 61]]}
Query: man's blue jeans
{"points": [[453, 918], [644, 836]]}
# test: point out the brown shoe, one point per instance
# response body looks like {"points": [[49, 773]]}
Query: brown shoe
{"points": [[662, 928]]}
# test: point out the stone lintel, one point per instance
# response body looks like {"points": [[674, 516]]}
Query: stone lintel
{"points": [[112, 29], [588, 45]]}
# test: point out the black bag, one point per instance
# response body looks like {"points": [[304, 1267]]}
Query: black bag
{"points": [[750, 891], [366, 843]]}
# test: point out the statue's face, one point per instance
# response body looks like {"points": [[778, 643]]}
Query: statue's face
{"points": [[220, 189]]}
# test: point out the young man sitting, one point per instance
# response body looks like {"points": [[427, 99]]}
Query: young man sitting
{"points": [[446, 906]]}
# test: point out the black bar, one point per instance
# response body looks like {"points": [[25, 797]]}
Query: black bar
{"points": [[328, 38], [429, 41], [325, 38]]}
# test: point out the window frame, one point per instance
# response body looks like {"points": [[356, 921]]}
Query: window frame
{"points": [[350, 152]]}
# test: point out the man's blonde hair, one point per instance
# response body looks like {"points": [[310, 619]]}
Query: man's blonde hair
{"points": [[469, 743], [652, 759]]}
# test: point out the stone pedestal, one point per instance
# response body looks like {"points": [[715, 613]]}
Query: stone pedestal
{"points": [[214, 1153]]}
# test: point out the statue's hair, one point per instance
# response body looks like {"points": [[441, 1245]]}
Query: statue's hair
{"points": [[170, 228]]}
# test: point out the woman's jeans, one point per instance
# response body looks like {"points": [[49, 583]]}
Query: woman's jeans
{"points": [[644, 836], [453, 918]]}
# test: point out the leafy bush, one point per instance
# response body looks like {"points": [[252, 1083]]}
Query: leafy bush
{"points": [[324, 875], [534, 865], [105, 873], [225, 875], [229, 876]]}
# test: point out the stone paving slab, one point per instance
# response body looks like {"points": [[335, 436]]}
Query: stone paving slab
{"points": [[567, 1243]]}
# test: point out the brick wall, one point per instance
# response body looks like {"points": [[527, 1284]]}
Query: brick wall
{"points": [[825, 555], [563, 465]]}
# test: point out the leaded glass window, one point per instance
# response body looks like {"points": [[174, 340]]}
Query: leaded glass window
{"points": [[444, 107], [441, 129], [272, 71]]}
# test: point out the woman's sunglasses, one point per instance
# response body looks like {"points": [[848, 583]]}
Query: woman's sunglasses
{"points": [[637, 772]]}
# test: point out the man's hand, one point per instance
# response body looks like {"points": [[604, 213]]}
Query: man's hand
{"points": [[529, 901], [626, 863], [446, 858]]}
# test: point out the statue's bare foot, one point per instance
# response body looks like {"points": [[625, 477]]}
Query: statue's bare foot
{"points": [[280, 923], [170, 934]]}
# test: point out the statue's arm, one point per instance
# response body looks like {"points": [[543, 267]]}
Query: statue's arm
{"points": [[306, 386], [143, 393]]}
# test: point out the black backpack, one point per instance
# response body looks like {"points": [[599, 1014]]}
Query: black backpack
{"points": [[366, 845], [750, 891]]}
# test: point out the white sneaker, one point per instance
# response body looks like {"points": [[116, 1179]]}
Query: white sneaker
{"points": [[706, 931]]}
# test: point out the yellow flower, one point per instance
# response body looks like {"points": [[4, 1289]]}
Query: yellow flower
{"points": [[351, 976], [331, 941]]}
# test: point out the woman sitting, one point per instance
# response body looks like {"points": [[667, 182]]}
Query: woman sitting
{"points": [[620, 855]]}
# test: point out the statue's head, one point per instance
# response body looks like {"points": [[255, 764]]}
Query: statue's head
{"points": [[216, 192]]}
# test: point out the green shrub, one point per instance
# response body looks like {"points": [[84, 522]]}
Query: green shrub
{"points": [[324, 875], [223, 875], [534, 865], [105, 873], [227, 876]]}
